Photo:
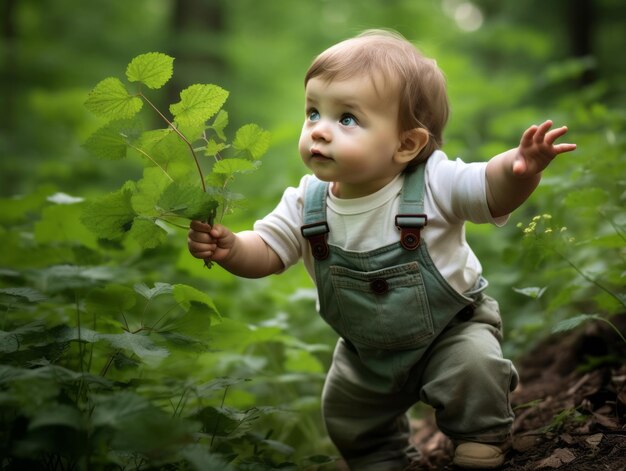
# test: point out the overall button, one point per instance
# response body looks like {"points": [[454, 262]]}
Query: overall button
{"points": [[379, 286]]}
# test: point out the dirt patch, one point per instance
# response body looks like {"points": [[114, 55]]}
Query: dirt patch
{"points": [[570, 407]]}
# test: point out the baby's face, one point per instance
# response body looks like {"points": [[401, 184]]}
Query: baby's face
{"points": [[351, 134]]}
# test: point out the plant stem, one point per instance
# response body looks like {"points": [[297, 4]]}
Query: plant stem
{"points": [[145, 154], [613, 326], [217, 422], [180, 134], [590, 279], [180, 226]]}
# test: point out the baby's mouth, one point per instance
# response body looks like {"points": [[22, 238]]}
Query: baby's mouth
{"points": [[316, 154]]}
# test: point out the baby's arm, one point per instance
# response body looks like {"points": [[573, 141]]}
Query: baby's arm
{"points": [[243, 254], [513, 175]]}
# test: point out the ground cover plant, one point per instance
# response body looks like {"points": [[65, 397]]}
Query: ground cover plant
{"points": [[120, 351], [103, 362]]}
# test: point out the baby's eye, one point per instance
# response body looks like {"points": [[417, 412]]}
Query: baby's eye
{"points": [[348, 120], [313, 115]]}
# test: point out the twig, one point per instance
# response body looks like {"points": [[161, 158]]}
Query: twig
{"points": [[180, 134]]}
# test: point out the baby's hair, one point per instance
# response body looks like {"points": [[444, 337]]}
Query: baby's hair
{"points": [[387, 55]]}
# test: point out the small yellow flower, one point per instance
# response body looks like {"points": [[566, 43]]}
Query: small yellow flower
{"points": [[547, 216], [548, 231]]}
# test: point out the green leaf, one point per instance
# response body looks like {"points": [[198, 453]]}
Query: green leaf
{"points": [[139, 344], [116, 409], [190, 298], [532, 292], [302, 361], [18, 208], [153, 69], [236, 336], [61, 223], [11, 341], [252, 139], [109, 99], [219, 124], [148, 191], [164, 145], [213, 148], [572, 323], [147, 233], [201, 459], [587, 197], [234, 165], [112, 299], [149, 293], [109, 216], [29, 294], [224, 421], [60, 277], [110, 142], [57, 415], [198, 103], [187, 201]]}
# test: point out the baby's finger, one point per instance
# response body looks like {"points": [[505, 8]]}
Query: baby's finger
{"points": [[206, 255], [200, 226], [527, 137], [195, 246], [200, 237], [555, 134], [542, 130], [562, 148]]}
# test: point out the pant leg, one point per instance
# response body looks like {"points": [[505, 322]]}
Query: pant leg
{"points": [[467, 381], [367, 424]]}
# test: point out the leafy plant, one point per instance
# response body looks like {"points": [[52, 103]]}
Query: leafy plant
{"points": [[174, 156], [575, 254], [102, 363]]}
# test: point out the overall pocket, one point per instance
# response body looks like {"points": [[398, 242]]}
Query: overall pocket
{"points": [[386, 309]]}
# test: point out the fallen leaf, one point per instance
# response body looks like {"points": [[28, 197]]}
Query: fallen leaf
{"points": [[594, 440], [608, 422], [558, 458]]}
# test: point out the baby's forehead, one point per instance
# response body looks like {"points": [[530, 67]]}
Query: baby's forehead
{"points": [[370, 86]]}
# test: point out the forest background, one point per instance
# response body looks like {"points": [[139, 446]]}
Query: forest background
{"points": [[225, 370]]}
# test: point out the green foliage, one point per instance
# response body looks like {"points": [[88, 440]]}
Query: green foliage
{"points": [[142, 208], [102, 364], [71, 298], [575, 251]]}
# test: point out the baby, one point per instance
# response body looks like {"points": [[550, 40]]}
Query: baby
{"points": [[380, 228]]}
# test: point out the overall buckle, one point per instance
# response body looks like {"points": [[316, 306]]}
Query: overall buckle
{"points": [[316, 235], [410, 226]]}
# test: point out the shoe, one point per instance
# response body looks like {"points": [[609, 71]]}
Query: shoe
{"points": [[480, 455]]}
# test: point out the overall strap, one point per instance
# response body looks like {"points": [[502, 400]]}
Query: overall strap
{"points": [[411, 218], [315, 228]]}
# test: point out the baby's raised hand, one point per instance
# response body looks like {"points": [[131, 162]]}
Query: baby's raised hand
{"points": [[210, 243], [537, 149]]}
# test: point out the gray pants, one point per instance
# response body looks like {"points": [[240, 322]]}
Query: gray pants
{"points": [[463, 376]]}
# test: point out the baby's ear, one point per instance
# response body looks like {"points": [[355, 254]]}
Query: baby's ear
{"points": [[412, 142]]}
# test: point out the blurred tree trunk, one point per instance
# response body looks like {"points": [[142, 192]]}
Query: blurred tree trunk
{"points": [[581, 29], [198, 28], [8, 78]]}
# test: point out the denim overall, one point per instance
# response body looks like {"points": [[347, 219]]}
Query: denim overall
{"points": [[388, 305]]}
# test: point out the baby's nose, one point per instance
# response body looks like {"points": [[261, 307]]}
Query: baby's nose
{"points": [[322, 131]]}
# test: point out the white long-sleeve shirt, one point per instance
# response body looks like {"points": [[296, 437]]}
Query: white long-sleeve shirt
{"points": [[455, 192]]}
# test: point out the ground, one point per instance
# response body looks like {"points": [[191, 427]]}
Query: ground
{"points": [[570, 407]]}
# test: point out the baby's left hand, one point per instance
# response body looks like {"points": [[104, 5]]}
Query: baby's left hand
{"points": [[537, 149]]}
